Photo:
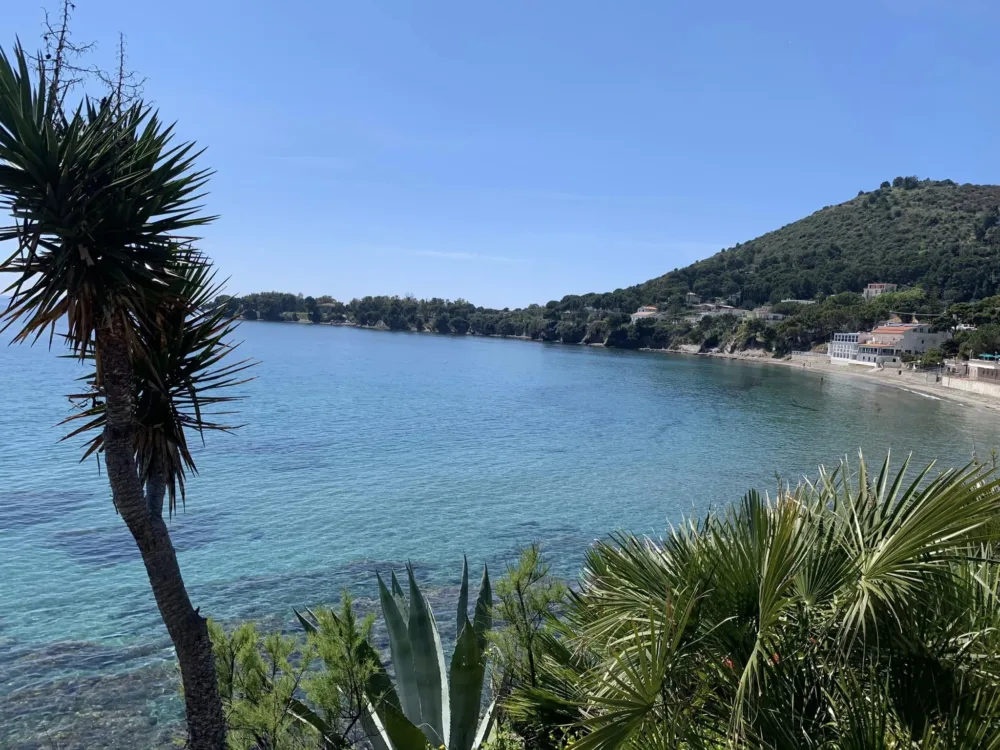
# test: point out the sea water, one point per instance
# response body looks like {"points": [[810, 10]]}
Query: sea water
{"points": [[362, 450]]}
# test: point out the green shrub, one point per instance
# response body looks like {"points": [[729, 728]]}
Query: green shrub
{"points": [[277, 688], [854, 612]]}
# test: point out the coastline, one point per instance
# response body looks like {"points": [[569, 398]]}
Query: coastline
{"points": [[914, 382]]}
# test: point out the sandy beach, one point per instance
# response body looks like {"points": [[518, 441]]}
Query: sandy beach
{"points": [[923, 383]]}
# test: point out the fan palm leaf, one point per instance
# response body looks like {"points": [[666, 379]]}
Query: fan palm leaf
{"points": [[859, 610]]}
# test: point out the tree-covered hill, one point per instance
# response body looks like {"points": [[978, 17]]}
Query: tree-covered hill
{"points": [[940, 238], [940, 235]]}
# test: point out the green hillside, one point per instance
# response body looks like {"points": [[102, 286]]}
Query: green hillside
{"points": [[942, 236]]}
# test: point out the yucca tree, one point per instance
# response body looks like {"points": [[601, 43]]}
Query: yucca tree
{"points": [[861, 611], [103, 205], [177, 379]]}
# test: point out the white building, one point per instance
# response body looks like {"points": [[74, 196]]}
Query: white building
{"points": [[887, 344], [692, 299], [844, 348], [646, 311], [877, 290], [984, 369], [801, 301], [764, 313]]}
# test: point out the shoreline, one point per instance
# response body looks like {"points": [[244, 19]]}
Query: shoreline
{"points": [[911, 381]]}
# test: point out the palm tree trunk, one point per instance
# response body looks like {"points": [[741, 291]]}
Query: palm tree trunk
{"points": [[187, 628]]}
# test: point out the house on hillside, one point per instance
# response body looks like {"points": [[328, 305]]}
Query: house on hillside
{"points": [[692, 299], [800, 301], [764, 313], [646, 311], [714, 310], [877, 290]]}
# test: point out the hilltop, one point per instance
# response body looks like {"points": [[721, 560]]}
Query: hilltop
{"points": [[940, 239], [938, 235]]}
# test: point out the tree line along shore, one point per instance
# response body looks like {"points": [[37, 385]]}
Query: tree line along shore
{"points": [[789, 326]]}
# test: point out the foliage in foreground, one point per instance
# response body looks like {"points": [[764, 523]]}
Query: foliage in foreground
{"points": [[333, 691], [269, 681], [431, 703], [857, 612]]}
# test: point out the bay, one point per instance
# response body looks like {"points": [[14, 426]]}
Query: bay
{"points": [[365, 449]]}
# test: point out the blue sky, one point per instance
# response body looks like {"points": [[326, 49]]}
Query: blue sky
{"points": [[515, 152]]}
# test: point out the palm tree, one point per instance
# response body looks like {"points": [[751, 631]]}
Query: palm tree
{"points": [[856, 612], [103, 204]]}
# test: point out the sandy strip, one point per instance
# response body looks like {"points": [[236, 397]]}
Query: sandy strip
{"points": [[920, 383]]}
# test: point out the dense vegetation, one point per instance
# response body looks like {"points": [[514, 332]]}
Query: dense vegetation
{"points": [[567, 321], [858, 611], [938, 235], [938, 240]]}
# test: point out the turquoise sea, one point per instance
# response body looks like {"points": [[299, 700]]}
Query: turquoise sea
{"points": [[364, 449]]}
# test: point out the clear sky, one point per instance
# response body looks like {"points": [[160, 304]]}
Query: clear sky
{"points": [[513, 152]]}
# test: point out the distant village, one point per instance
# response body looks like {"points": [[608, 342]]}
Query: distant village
{"points": [[886, 345]]}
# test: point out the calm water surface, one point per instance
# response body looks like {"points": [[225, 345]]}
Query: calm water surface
{"points": [[364, 449]]}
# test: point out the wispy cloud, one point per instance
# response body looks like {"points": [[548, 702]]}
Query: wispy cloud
{"points": [[463, 256], [323, 162], [621, 242], [573, 197]]}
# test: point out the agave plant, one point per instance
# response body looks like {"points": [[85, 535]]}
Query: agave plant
{"points": [[429, 705]]}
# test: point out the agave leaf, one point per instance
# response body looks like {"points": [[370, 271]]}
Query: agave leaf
{"points": [[483, 617], [486, 726], [379, 686], [466, 687], [302, 712], [428, 667], [396, 730], [463, 598], [401, 650], [374, 729], [306, 625], [400, 597]]}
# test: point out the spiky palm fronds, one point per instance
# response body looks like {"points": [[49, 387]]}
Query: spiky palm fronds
{"points": [[180, 371], [102, 203]]}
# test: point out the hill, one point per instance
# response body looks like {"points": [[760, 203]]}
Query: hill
{"points": [[939, 235], [940, 238]]}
